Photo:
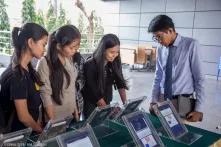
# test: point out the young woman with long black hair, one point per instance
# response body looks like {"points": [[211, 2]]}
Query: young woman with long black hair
{"points": [[58, 73], [101, 72], [20, 95]]}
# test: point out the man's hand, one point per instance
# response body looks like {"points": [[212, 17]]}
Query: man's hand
{"points": [[151, 108], [195, 116]]}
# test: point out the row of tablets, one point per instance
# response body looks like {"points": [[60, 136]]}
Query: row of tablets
{"points": [[137, 122], [56, 127]]}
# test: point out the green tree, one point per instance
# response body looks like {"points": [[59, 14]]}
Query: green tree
{"points": [[90, 27], [98, 29], [28, 11], [81, 25], [94, 28], [53, 21], [4, 20], [62, 17], [51, 18], [82, 28], [4, 26], [40, 18]]}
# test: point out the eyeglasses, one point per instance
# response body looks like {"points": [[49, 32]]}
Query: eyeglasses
{"points": [[158, 38]]}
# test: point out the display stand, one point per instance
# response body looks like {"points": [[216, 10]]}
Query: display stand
{"points": [[54, 128], [17, 138], [97, 118], [131, 106], [129, 144], [142, 130], [51, 130], [99, 115], [83, 137], [115, 112], [52, 142], [173, 125]]}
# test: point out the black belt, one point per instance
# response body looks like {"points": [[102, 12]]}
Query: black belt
{"points": [[183, 95]]}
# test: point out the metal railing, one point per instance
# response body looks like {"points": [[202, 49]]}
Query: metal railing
{"points": [[6, 47], [5, 42]]}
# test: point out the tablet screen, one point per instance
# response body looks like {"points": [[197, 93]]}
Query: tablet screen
{"points": [[143, 132], [80, 140], [171, 120], [81, 143]]}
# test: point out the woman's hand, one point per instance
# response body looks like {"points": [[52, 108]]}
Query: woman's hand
{"points": [[123, 96], [76, 115], [101, 103], [25, 117], [39, 129]]}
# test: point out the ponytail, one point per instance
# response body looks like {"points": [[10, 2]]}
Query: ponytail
{"points": [[57, 70], [17, 47], [15, 35]]}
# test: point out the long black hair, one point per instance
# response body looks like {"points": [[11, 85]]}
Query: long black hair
{"points": [[20, 38], [65, 35], [108, 41]]}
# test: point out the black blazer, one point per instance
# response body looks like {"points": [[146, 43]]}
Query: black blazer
{"points": [[91, 93]]}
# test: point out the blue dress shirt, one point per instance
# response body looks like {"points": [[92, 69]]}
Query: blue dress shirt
{"points": [[187, 75]]}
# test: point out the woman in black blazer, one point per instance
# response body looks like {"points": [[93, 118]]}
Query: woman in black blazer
{"points": [[101, 72]]}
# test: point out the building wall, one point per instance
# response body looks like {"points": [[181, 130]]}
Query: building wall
{"points": [[199, 19]]}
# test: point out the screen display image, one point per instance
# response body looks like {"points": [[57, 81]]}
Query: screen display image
{"points": [[80, 140], [171, 120], [142, 130], [116, 111]]}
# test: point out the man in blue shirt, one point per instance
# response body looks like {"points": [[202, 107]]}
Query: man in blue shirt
{"points": [[178, 68]]}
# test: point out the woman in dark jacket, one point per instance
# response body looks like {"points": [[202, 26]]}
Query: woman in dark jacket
{"points": [[101, 72]]}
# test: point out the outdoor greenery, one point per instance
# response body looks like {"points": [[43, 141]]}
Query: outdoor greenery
{"points": [[40, 18], [54, 18], [51, 18], [4, 25], [83, 28], [51, 21], [28, 11], [91, 31], [98, 29]]}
